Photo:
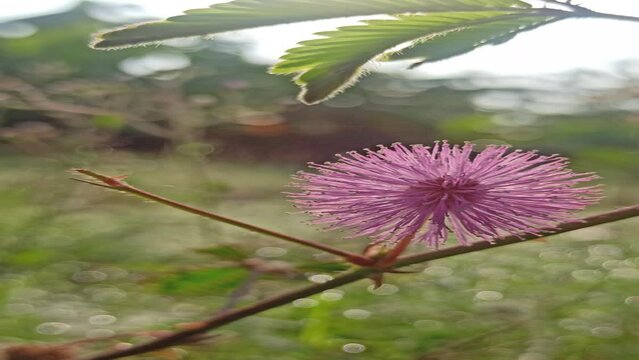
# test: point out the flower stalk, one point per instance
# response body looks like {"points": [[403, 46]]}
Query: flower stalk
{"points": [[117, 183]]}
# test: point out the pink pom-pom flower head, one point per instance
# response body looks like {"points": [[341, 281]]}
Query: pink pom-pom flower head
{"points": [[424, 193]]}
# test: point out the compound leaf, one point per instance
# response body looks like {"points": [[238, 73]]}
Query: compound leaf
{"points": [[245, 14], [461, 41], [328, 65]]}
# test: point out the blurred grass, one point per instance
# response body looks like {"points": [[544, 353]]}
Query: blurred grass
{"points": [[79, 261]]}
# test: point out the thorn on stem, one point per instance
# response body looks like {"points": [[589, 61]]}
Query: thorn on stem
{"points": [[109, 181], [378, 280], [91, 183]]}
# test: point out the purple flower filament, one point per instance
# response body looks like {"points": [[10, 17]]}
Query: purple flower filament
{"points": [[425, 193]]}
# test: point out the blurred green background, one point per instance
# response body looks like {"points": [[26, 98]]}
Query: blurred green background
{"points": [[191, 120]]}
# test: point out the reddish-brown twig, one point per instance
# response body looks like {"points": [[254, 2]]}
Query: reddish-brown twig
{"points": [[118, 183]]}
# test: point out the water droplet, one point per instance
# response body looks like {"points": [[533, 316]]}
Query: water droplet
{"points": [[573, 324], [320, 278], [558, 268], [624, 273], [605, 250], [453, 282], [578, 254], [596, 315], [102, 320], [595, 260], [532, 356], [438, 271], [494, 273], [28, 294], [385, 289], [110, 295], [607, 332], [353, 348], [587, 275], [89, 276], [332, 295], [489, 295], [632, 300], [17, 309], [58, 313], [270, 252], [612, 264], [305, 303], [53, 328], [71, 299], [186, 310], [552, 255], [591, 234], [357, 314], [115, 272]]}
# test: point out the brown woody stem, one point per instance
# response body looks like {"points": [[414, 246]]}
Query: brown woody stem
{"points": [[352, 276]]}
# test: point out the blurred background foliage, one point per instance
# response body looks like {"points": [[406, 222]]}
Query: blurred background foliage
{"points": [[192, 120]]}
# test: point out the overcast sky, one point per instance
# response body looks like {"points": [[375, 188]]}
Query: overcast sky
{"points": [[567, 45]]}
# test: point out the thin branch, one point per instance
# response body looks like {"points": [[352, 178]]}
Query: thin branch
{"points": [[579, 12], [118, 183], [598, 15], [352, 276]]}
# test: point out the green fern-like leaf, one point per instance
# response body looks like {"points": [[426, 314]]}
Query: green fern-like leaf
{"points": [[461, 41], [244, 14], [330, 64]]}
